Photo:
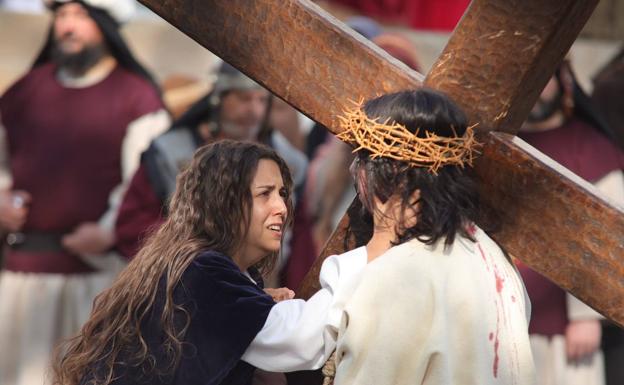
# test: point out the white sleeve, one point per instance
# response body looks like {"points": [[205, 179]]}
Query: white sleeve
{"points": [[5, 171], [301, 335], [138, 137]]}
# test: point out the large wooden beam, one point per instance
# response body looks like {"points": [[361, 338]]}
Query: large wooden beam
{"points": [[555, 222], [497, 61], [293, 48], [503, 52], [549, 218]]}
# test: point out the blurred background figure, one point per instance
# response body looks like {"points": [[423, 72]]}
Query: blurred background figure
{"points": [[607, 98], [565, 333], [289, 122], [73, 129]]}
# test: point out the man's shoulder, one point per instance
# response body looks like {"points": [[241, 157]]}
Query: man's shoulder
{"points": [[176, 145], [46, 70], [175, 136], [420, 258], [409, 258], [132, 78], [138, 91], [585, 134], [34, 76]]}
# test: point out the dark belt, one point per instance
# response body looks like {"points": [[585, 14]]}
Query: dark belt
{"points": [[35, 242]]}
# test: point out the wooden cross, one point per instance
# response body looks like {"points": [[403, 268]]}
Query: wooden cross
{"points": [[495, 64]]}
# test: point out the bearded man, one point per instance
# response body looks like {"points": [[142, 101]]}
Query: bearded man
{"points": [[71, 131]]}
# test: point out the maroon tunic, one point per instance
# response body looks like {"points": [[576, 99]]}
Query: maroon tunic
{"points": [[65, 150], [589, 154]]}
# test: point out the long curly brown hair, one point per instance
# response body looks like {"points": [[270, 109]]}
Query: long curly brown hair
{"points": [[210, 209]]}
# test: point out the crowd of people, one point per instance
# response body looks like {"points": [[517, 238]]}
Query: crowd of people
{"points": [[142, 248]]}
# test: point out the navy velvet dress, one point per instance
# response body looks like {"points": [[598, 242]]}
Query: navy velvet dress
{"points": [[226, 309]]}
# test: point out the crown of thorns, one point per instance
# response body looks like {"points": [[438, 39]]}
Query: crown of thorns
{"points": [[394, 141]]}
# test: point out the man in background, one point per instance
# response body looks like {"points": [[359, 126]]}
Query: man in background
{"points": [[237, 108], [72, 130]]}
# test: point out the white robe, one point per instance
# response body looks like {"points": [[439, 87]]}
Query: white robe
{"points": [[425, 315]]}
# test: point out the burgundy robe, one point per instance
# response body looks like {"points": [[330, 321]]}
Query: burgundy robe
{"points": [[65, 150]]}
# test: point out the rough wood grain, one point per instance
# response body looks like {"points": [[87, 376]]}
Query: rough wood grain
{"points": [[501, 55], [547, 217], [292, 47], [555, 222]]}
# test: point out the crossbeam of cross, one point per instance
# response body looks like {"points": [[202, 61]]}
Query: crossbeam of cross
{"points": [[496, 62]]}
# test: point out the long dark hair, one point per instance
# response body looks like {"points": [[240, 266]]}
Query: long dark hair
{"points": [[449, 200], [210, 210]]}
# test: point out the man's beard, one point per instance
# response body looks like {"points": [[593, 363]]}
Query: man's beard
{"points": [[80, 62]]}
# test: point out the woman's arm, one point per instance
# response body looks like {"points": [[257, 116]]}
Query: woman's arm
{"points": [[301, 335]]}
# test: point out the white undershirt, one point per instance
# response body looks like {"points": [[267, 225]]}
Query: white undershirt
{"points": [[301, 335]]}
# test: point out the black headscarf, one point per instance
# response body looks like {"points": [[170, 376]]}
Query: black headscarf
{"points": [[116, 44], [583, 106]]}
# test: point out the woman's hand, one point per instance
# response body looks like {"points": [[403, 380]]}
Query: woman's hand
{"points": [[280, 293]]}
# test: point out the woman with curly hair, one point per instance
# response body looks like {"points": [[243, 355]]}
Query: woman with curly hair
{"points": [[189, 309]]}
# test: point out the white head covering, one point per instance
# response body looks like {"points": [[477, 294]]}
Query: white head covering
{"points": [[120, 10]]}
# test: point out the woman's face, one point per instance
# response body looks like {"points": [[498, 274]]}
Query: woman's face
{"points": [[268, 215]]}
